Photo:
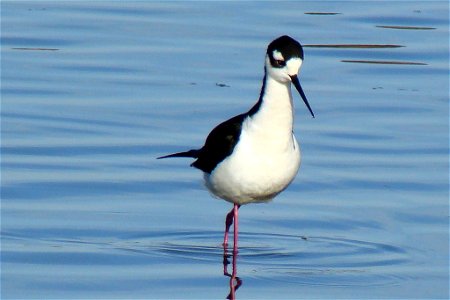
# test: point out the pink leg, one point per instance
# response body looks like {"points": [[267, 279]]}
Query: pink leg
{"points": [[235, 282], [228, 222], [233, 214], [236, 225]]}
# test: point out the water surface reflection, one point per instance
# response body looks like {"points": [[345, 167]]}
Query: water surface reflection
{"points": [[235, 281]]}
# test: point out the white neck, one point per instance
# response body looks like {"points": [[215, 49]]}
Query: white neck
{"points": [[276, 113]]}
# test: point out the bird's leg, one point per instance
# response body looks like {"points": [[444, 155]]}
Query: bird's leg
{"points": [[235, 281], [228, 222], [236, 225]]}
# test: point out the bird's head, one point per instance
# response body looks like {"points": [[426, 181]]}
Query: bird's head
{"points": [[283, 61]]}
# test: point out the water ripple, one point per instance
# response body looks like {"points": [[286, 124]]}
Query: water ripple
{"points": [[316, 260], [305, 251]]}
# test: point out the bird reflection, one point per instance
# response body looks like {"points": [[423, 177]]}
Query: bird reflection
{"points": [[235, 281]]}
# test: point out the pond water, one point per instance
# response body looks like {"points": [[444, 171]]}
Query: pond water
{"points": [[92, 92]]}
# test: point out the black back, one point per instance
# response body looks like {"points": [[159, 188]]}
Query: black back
{"points": [[219, 144], [223, 138]]}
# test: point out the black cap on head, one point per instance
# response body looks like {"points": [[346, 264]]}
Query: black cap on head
{"points": [[287, 46]]}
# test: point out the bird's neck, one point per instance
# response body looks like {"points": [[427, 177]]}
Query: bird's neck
{"points": [[274, 110]]}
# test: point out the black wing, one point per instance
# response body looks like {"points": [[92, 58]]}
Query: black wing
{"points": [[190, 153], [219, 144]]}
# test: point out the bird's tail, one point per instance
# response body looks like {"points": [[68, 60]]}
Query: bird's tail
{"points": [[190, 153]]}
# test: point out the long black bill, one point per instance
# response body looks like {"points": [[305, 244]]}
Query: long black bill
{"points": [[297, 85]]}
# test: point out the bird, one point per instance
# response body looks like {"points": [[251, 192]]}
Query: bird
{"points": [[254, 156]]}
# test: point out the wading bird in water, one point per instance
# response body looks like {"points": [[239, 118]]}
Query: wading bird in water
{"points": [[254, 156]]}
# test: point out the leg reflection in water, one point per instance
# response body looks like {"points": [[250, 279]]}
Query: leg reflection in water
{"points": [[235, 282]]}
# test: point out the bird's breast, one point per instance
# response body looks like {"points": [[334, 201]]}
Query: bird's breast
{"points": [[261, 166]]}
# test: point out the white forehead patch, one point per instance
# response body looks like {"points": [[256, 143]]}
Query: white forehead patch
{"points": [[277, 55], [293, 65]]}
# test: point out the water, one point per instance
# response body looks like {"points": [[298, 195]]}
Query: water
{"points": [[92, 92]]}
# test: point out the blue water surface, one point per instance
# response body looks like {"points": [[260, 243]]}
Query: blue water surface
{"points": [[93, 91]]}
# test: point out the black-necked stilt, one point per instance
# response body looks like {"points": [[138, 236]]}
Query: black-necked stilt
{"points": [[254, 156]]}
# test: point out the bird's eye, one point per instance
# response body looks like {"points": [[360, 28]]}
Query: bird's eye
{"points": [[280, 62]]}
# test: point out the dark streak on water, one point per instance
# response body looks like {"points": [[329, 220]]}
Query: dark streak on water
{"points": [[406, 27], [353, 46], [385, 62], [322, 13], [34, 49]]}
